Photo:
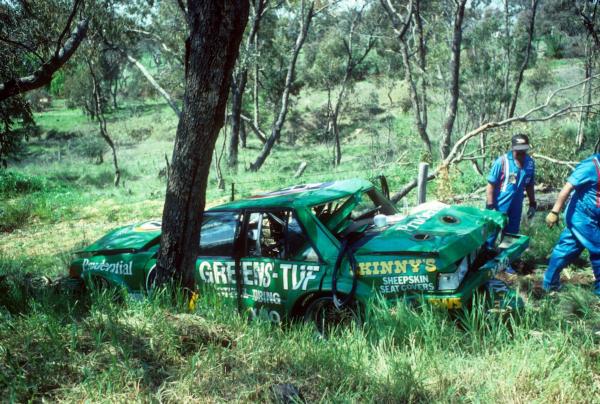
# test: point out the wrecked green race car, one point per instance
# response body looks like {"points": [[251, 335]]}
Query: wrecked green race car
{"points": [[302, 250]]}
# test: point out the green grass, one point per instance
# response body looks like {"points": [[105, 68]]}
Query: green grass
{"points": [[57, 347]]}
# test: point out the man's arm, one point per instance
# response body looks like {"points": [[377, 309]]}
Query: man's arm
{"points": [[530, 195], [563, 195], [489, 196]]}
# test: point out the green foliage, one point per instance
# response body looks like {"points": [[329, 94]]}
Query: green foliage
{"points": [[91, 146], [540, 77], [556, 141], [554, 46], [57, 84], [13, 183]]}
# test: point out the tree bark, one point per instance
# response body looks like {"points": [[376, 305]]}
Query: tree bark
{"points": [[507, 49], [155, 84], [99, 113], [240, 79], [454, 79], [238, 86], [43, 75], [515, 95], [585, 93], [418, 101], [289, 79], [351, 63], [215, 32]]}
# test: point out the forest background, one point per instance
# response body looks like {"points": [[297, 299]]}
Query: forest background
{"points": [[351, 89]]}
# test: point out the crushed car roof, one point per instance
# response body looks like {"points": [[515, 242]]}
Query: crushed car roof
{"points": [[301, 195]]}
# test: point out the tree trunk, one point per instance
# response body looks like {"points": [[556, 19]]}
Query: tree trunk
{"points": [[418, 102], [586, 92], [507, 43], [238, 86], [240, 79], [289, 79], [99, 113], [414, 97], [215, 32], [243, 134], [515, 95], [454, 79]]}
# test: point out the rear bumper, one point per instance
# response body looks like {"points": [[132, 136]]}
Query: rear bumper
{"points": [[511, 248]]}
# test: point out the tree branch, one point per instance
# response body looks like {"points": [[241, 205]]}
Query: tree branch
{"points": [[67, 26], [43, 75], [455, 154], [259, 133], [570, 164], [154, 84], [22, 45]]}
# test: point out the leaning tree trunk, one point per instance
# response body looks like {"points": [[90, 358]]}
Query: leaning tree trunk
{"points": [[515, 95], [238, 86], [285, 96], [99, 113], [215, 31], [401, 25], [585, 94], [240, 79], [454, 79]]}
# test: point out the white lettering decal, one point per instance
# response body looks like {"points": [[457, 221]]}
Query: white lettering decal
{"points": [[419, 219], [117, 268]]}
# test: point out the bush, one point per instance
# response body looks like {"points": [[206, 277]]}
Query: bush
{"points": [[139, 134], [91, 147], [13, 184], [14, 215], [555, 46]]}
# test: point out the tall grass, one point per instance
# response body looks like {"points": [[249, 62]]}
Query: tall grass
{"points": [[99, 348]]}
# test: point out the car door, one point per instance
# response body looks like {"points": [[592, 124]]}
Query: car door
{"points": [[216, 263], [278, 265]]}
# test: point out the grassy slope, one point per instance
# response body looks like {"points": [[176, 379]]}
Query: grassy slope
{"points": [[153, 350]]}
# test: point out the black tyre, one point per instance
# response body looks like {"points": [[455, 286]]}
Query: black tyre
{"points": [[326, 317]]}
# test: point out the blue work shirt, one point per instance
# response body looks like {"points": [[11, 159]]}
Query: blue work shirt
{"points": [[510, 181], [582, 215]]}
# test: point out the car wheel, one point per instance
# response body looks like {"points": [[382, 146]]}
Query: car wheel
{"points": [[99, 285], [326, 317]]}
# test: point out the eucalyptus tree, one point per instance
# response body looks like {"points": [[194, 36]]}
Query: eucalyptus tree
{"points": [[36, 40], [458, 13], [348, 35], [248, 56], [302, 17], [215, 29], [414, 50]]}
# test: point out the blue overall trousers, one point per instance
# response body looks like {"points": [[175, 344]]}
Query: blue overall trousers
{"points": [[582, 220]]}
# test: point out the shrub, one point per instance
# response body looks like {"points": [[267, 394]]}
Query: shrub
{"points": [[14, 215], [91, 147], [13, 184], [555, 46], [139, 134]]}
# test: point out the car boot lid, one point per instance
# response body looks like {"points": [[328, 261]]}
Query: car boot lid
{"points": [[440, 231], [130, 238]]}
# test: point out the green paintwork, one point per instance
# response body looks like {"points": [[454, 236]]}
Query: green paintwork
{"points": [[275, 253]]}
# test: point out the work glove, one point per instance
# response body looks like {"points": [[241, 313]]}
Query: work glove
{"points": [[552, 219], [531, 211]]}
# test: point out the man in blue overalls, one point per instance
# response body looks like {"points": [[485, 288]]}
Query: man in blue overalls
{"points": [[582, 219], [512, 175]]}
